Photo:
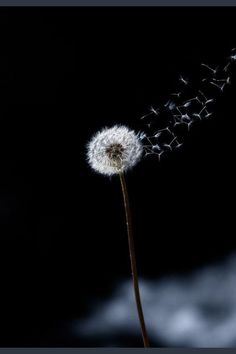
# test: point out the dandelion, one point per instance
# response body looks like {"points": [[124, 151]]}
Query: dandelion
{"points": [[113, 151]]}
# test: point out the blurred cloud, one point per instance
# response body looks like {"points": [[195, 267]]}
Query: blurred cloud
{"points": [[197, 310]]}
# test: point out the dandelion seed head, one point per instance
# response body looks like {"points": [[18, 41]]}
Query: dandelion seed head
{"points": [[114, 150]]}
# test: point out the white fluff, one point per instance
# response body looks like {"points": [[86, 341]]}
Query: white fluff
{"points": [[114, 150]]}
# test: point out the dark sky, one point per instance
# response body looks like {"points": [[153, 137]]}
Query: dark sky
{"points": [[64, 74]]}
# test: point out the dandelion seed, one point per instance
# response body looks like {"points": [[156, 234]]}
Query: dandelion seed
{"points": [[177, 123], [159, 155], [170, 105], [167, 129], [149, 125], [211, 100], [186, 104], [178, 145], [183, 80], [194, 99], [189, 125], [169, 146], [219, 80], [157, 134], [146, 115], [185, 117], [177, 94], [226, 67], [221, 87], [197, 115], [178, 109], [142, 135], [208, 114], [207, 101], [148, 153], [211, 69], [155, 111], [156, 147]]}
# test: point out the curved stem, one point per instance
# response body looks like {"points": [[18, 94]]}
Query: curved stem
{"points": [[133, 261]]}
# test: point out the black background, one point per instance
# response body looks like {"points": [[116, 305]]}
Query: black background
{"points": [[64, 74]]}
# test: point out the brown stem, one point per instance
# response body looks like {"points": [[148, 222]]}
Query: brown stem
{"points": [[133, 261]]}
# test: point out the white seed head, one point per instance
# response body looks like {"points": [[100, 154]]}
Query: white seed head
{"points": [[114, 150]]}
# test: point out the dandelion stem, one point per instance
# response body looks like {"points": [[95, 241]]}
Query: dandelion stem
{"points": [[133, 260]]}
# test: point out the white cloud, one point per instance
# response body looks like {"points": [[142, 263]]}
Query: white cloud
{"points": [[196, 310]]}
